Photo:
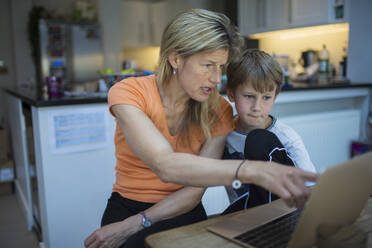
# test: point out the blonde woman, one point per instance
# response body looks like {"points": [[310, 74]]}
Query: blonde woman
{"points": [[170, 136]]}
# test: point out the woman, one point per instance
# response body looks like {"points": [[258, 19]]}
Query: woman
{"points": [[171, 131]]}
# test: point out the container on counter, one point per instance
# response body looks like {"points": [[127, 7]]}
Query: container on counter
{"points": [[54, 86]]}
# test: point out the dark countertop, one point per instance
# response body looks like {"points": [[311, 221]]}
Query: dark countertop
{"points": [[297, 86], [36, 99]]}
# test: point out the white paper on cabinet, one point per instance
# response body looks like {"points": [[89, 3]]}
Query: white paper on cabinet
{"points": [[77, 130]]}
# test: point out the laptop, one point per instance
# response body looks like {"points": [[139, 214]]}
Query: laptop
{"points": [[337, 199]]}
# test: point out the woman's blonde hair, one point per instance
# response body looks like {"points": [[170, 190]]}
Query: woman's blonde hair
{"points": [[191, 32]]}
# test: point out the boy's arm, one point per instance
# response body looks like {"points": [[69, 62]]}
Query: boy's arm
{"points": [[298, 152]]}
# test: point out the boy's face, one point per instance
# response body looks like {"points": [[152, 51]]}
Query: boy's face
{"points": [[253, 107]]}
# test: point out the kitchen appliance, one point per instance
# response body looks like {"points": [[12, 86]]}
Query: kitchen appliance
{"points": [[307, 68], [308, 58], [70, 51]]}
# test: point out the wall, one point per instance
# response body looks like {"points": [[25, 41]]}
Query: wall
{"points": [[294, 41], [145, 58], [360, 50]]}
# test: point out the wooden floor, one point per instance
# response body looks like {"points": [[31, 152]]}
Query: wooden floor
{"points": [[13, 227]]}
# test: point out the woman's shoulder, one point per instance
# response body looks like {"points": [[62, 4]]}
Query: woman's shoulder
{"points": [[138, 86], [137, 91], [140, 83]]}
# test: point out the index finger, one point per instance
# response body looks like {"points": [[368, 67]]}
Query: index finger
{"points": [[88, 241], [309, 176]]}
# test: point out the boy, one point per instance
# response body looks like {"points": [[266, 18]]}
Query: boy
{"points": [[254, 82]]}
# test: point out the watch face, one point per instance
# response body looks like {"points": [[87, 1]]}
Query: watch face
{"points": [[146, 222]]}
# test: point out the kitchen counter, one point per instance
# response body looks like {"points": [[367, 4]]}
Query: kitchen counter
{"points": [[71, 139], [36, 99], [296, 86]]}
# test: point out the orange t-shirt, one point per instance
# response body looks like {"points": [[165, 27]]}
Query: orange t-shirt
{"points": [[134, 179]]}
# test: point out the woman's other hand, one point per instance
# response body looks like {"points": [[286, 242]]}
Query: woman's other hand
{"points": [[286, 182], [115, 234]]}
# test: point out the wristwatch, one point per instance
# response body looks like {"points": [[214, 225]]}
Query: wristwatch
{"points": [[146, 222]]}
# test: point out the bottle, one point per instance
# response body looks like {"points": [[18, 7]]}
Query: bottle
{"points": [[324, 60], [323, 69], [344, 60]]}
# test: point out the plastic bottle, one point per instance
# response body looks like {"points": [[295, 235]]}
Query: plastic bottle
{"points": [[324, 60], [323, 69], [343, 64]]}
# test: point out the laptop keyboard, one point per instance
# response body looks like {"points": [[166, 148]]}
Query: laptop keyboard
{"points": [[276, 233]]}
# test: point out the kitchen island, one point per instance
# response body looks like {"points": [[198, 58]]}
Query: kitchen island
{"points": [[63, 192], [74, 172], [327, 117]]}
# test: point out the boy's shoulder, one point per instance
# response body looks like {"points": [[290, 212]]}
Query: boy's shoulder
{"points": [[235, 142], [283, 130], [236, 137]]}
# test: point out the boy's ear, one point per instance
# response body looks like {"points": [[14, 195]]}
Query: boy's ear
{"points": [[230, 95]]}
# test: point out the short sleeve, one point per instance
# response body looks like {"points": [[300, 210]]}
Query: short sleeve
{"points": [[128, 91], [224, 124]]}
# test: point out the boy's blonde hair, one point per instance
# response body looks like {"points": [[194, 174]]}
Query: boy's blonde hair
{"points": [[256, 68], [191, 32]]}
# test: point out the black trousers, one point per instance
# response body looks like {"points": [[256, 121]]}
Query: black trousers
{"points": [[119, 208], [262, 145]]}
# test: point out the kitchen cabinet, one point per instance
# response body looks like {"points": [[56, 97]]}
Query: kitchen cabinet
{"points": [[143, 22], [277, 14], [250, 16], [257, 16], [62, 181], [160, 17], [305, 13], [162, 12], [135, 24]]}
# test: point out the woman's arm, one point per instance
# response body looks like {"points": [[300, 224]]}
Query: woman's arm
{"points": [[153, 149], [187, 169], [179, 202], [175, 204]]}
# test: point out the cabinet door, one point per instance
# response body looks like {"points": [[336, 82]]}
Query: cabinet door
{"points": [[251, 16], [135, 24], [277, 14], [306, 13], [161, 14]]}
